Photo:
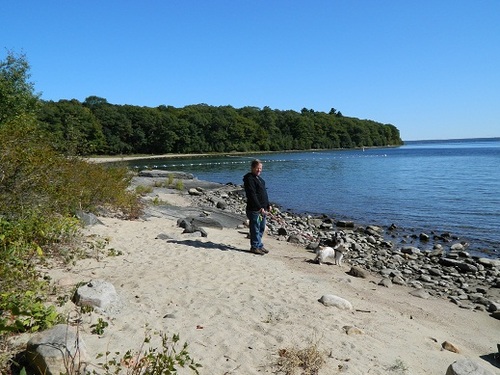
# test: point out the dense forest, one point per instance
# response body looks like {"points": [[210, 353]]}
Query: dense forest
{"points": [[98, 127]]}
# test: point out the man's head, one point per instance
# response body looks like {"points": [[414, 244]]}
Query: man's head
{"points": [[256, 167]]}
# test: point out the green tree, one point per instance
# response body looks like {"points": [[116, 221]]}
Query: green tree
{"points": [[73, 127], [116, 127], [17, 96]]}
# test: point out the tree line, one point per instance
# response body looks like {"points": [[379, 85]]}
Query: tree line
{"points": [[96, 126]]}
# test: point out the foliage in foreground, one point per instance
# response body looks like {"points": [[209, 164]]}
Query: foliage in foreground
{"points": [[154, 361], [40, 192]]}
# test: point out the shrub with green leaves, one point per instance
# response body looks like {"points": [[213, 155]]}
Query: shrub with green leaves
{"points": [[40, 192], [165, 360], [34, 178], [26, 312]]}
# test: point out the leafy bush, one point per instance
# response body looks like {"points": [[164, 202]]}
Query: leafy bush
{"points": [[26, 312], [40, 192], [153, 361], [35, 179]]}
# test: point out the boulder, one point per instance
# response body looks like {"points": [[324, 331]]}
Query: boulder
{"points": [[490, 263], [58, 350], [335, 301], [98, 294], [87, 218], [358, 272], [345, 224], [420, 293], [295, 238], [166, 174], [424, 237], [194, 191], [466, 367], [385, 282], [410, 250], [460, 265], [457, 247]]}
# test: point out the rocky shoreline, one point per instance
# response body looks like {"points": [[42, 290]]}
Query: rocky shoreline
{"points": [[436, 266]]}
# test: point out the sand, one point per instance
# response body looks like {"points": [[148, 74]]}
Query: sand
{"points": [[237, 310]]}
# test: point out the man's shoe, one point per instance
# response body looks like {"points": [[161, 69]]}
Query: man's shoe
{"points": [[254, 250], [264, 250]]}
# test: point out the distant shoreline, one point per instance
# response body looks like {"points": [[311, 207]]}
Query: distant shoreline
{"points": [[114, 159]]}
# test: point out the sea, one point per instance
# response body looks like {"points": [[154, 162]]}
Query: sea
{"points": [[444, 186]]}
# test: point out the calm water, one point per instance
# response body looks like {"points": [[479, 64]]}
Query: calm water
{"points": [[445, 186]]}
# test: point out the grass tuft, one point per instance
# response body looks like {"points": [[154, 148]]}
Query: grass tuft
{"points": [[304, 361]]}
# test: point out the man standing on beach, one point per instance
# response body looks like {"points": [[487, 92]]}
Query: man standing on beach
{"points": [[257, 206]]}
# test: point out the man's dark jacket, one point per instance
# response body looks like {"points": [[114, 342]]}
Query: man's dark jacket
{"points": [[255, 190]]}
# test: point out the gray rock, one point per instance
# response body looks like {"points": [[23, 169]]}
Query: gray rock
{"points": [[398, 258], [313, 245], [282, 232], [352, 330], [386, 272], [358, 272], [411, 250], [335, 301], [425, 278], [88, 218], [374, 229], [194, 191], [318, 223], [294, 238], [163, 236], [398, 280], [494, 306], [221, 204], [98, 294], [466, 367], [496, 314], [345, 224], [457, 246], [424, 237], [460, 265], [200, 221], [386, 282], [435, 272], [480, 299], [166, 174], [420, 293], [490, 263], [58, 350]]}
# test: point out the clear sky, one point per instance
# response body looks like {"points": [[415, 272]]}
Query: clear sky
{"points": [[429, 67]]}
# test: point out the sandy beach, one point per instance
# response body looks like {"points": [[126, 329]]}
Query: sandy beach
{"points": [[237, 311], [115, 159]]}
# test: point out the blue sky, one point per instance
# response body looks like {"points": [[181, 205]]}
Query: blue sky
{"points": [[431, 68]]}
